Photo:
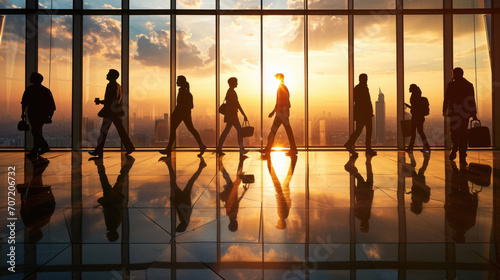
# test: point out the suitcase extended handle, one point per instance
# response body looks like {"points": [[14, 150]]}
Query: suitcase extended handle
{"points": [[471, 121]]}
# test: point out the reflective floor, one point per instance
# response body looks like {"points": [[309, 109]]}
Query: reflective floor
{"points": [[321, 215]]}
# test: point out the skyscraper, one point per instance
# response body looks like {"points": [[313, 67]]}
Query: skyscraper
{"points": [[380, 118]]}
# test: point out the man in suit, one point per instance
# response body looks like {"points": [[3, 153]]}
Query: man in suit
{"points": [[459, 105], [39, 103], [112, 113], [363, 113], [282, 111]]}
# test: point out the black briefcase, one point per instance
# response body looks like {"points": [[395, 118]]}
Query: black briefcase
{"points": [[478, 136]]}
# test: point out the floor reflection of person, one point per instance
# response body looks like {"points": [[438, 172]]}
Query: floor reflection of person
{"points": [[181, 199], [230, 193], [363, 192], [420, 191], [112, 196], [461, 204], [37, 201], [283, 199]]}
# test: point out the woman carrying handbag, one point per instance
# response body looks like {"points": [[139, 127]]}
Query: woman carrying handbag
{"points": [[231, 116]]}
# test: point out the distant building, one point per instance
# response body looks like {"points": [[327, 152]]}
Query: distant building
{"points": [[161, 130], [380, 119]]}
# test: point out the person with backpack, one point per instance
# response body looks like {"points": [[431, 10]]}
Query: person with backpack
{"points": [[419, 107]]}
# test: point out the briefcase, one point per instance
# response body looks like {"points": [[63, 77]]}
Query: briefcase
{"points": [[246, 129], [406, 128], [478, 136], [479, 174]]}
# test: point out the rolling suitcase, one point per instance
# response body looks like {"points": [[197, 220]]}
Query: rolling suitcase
{"points": [[478, 136]]}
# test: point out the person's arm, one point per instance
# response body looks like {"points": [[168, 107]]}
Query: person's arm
{"points": [[23, 106], [276, 105]]}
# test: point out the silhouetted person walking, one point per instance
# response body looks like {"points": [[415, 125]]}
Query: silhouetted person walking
{"points": [[231, 116], [282, 111], [459, 105], [112, 196], [112, 113], [363, 113], [419, 109], [39, 104], [181, 199], [182, 113]]}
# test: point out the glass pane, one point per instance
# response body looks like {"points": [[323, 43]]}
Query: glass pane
{"points": [[284, 53], [422, 4], [12, 79], [195, 4], [328, 81], [149, 80], [375, 55], [374, 4], [423, 41], [55, 64], [196, 61], [327, 4], [101, 52], [155, 4], [55, 4], [240, 58], [471, 52], [464, 4], [13, 4], [240, 4], [282, 4], [97, 4]]}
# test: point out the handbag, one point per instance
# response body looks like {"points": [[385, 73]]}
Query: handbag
{"points": [[246, 129], [479, 174], [478, 136], [222, 108], [22, 125]]}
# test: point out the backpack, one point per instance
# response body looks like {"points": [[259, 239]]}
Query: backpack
{"points": [[425, 106]]}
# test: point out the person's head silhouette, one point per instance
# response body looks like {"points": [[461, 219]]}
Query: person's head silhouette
{"points": [[233, 225], [280, 77], [112, 75], [233, 82], [363, 78], [181, 81], [36, 78], [112, 235], [457, 73]]}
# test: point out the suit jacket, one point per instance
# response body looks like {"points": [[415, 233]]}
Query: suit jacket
{"points": [[39, 102], [459, 99], [112, 101], [362, 103]]}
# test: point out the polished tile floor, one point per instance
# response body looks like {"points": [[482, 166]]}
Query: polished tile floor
{"points": [[321, 215]]}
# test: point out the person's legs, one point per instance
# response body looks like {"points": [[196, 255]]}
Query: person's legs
{"points": [[455, 123], [462, 140], [237, 125], [272, 134], [354, 136], [420, 130], [289, 133], [223, 136], [36, 131], [369, 128], [174, 123], [123, 134], [413, 134], [189, 124], [106, 124]]}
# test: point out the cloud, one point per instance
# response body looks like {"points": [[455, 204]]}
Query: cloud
{"points": [[102, 36], [191, 3], [154, 50]]}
